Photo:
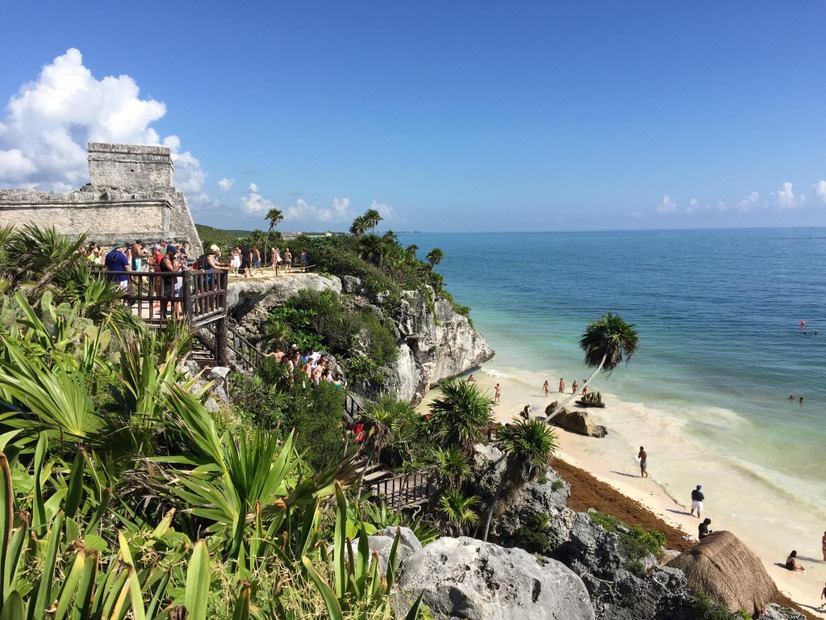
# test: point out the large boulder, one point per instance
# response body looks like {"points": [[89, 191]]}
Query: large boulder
{"points": [[467, 578], [722, 567], [576, 422]]}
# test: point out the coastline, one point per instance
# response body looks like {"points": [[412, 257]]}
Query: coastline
{"points": [[602, 459]]}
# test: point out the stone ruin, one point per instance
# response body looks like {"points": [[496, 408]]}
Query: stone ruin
{"points": [[130, 196]]}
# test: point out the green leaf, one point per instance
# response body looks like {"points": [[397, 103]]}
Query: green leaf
{"points": [[330, 600], [13, 607], [196, 596], [74, 494], [242, 603], [6, 522], [339, 542]]}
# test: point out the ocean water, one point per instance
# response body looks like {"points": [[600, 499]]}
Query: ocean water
{"points": [[721, 349]]}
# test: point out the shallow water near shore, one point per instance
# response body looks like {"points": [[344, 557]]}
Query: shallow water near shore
{"points": [[718, 315]]}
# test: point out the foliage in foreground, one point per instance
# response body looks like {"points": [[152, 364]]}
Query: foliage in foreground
{"points": [[637, 542]]}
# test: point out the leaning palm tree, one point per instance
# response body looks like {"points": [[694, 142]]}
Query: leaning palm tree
{"points": [[274, 216], [607, 342], [528, 446], [358, 227], [372, 219], [461, 416], [435, 256]]}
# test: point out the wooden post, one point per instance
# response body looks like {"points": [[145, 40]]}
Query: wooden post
{"points": [[221, 353], [185, 292]]}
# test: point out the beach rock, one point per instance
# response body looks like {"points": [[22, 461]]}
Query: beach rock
{"points": [[776, 612], [577, 422], [466, 578], [617, 593], [534, 516]]}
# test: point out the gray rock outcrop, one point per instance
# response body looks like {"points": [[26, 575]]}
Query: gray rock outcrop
{"points": [[466, 578], [576, 422], [434, 342]]}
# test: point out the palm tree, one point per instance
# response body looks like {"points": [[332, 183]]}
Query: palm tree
{"points": [[607, 342], [358, 227], [528, 446], [274, 216], [435, 256], [457, 509], [372, 219], [461, 416]]}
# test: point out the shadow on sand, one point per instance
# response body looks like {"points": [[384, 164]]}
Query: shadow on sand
{"points": [[622, 473]]}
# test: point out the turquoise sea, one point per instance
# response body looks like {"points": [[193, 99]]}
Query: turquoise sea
{"points": [[718, 313]]}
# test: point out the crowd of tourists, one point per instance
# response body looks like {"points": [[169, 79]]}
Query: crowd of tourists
{"points": [[316, 366]]}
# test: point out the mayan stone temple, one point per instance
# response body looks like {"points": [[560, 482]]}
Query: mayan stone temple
{"points": [[130, 196]]}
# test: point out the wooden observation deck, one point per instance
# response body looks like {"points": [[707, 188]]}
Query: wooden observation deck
{"points": [[197, 297]]}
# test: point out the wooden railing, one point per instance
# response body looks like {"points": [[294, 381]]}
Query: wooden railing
{"points": [[197, 296], [246, 354], [405, 490]]}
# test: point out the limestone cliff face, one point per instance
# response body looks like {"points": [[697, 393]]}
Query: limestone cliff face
{"points": [[434, 341]]}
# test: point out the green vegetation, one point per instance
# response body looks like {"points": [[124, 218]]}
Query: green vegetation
{"points": [[533, 536], [637, 542], [707, 609]]}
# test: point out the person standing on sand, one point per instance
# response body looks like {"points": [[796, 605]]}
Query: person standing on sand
{"points": [[497, 394], [697, 499], [574, 387], [546, 387], [561, 385], [823, 546], [643, 457]]}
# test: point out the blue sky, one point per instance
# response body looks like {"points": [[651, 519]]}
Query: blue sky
{"points": [[460, 116]]}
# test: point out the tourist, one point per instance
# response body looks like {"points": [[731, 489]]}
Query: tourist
{"points": [[574, 387], [117, 261], [792, 563], [823, 546], [276, 259], [288, 260], [823, 596], [246, 260], [697, 499], [497, 393], [643, 457], [170, 264], [304, 260], [235, 260], [137, 255], [256, 259], [584, 387], [526, 412], [561, 385], [546, 388], [704, 531], [471, 379]]}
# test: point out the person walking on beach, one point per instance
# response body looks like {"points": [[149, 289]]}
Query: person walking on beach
{"points": [[703, 529], [546, 387], [643, 457], [697, 499], [823, 596], [497, 394], [561, 385], [823, 546]]}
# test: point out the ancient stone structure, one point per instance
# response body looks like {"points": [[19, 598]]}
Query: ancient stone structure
{"points": [[131, 196]]}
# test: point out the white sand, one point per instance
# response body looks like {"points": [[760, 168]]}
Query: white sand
{"points": [[731, 505]]}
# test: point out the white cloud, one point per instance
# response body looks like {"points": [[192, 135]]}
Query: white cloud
{"points": [[786, 199], [666, 205], [820, 190], [386, 211], [692, 207], [302, 210], [49, 121], [745, 204], [254, 202], [226, 184]]}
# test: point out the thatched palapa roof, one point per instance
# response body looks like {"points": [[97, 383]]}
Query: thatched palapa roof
{"points": [[723, 568]]}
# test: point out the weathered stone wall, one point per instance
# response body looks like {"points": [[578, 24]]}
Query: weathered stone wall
{"points": [[130, 197]]}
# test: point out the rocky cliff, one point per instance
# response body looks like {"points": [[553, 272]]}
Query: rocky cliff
{"points": [[434, 341]]}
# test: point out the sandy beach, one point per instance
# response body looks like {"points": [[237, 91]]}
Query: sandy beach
{"points": [[612, 461]]}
